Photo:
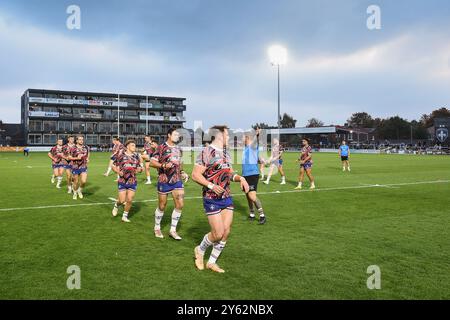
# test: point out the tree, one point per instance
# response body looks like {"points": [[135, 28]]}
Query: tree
{"points": [[428, 120], [360, 120], [313, 123], [262, 125], [287, 121], [394, 128]]}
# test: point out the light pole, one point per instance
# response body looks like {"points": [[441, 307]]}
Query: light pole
{"points": [[118, 116], [278, 57], [146, 115]]}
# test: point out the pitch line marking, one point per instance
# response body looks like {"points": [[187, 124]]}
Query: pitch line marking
{"points": [[236, 195]]}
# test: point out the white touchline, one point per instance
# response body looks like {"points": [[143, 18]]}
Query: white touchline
{"points": [[236, 195]]}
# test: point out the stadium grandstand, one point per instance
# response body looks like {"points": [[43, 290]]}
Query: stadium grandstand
{"points": [[47, 115]]}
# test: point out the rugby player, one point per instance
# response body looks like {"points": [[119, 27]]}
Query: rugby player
{"points": [[214, 172], [118, 147], [276, 161], [126, 164], [149, 148], [67, 163], [80, 157], [57, 155], [305, 165], [167, 158]]}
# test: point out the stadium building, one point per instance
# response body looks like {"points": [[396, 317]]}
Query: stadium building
{"points": [[47, 115]]}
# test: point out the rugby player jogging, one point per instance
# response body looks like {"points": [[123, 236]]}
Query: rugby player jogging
{"points": [[168, 160], [80, 157], [57, 156], [276, 161], [118, 147], [149, 148], [213, 171], [67, 149], [127, 164]]}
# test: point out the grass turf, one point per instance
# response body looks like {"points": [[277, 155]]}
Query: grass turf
{"points": [[315, 245]]}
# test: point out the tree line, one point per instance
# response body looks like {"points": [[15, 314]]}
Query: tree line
{"points": [[394, 127]]}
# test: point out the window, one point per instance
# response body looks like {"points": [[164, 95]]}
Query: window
{"points": [[49, 126], [65, 111], [105, 139], [49, 138], [91, 139], [140, 140], [104, 127], [141, 128], [107, 114], [64, 126], [35, 108], [130, 127], [34, 139], [92, 111], [114, 127], [35, 125], [91, 127], [51, 109], [63, 137], [78, 126]]}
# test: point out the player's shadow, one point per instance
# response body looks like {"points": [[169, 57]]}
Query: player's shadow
{"points": [[292, 183], [91, 190], [195, 232], [241, 208]]}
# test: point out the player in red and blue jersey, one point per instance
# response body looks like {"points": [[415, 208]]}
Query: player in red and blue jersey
{"points": [[276, 161], [117, 149], [149, 148], [67, 149], [126, 164], [168, 160], [80, 157], [57, 156], [214, 172], [305, 164]]}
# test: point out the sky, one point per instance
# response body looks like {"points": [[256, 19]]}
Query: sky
{"points": [[214, 54]]}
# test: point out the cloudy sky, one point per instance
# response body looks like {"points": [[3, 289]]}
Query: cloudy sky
{"points": [[214, 53]]}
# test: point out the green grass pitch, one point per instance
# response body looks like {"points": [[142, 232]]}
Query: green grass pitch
{"points": [[315, 245]]}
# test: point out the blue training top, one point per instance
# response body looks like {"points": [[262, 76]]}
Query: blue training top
{"points": [[250, 158], [344, 150]]}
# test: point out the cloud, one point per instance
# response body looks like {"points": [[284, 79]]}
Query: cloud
{"points": [[406, 73]]}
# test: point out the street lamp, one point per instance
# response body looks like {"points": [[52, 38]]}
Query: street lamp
{"points": [[278, 57]]}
